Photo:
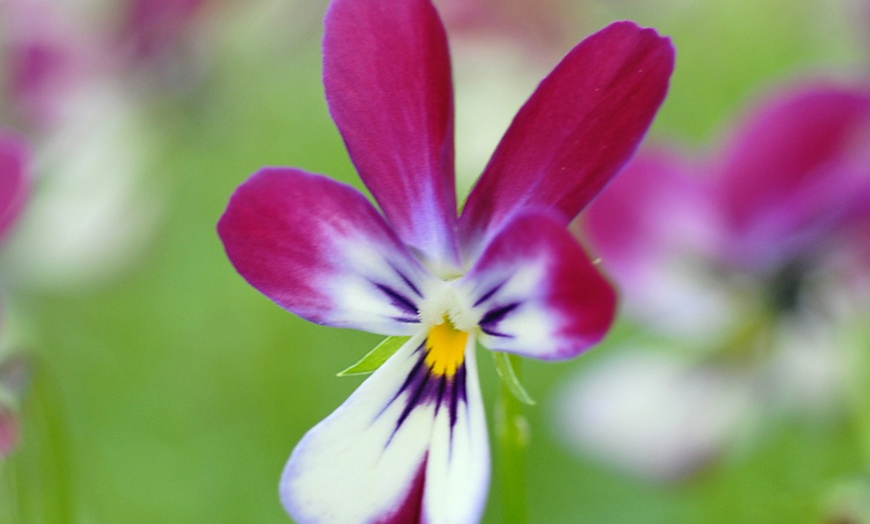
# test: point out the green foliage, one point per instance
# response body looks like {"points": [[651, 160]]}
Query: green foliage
{"points": [[509, 379], [376, 357]]}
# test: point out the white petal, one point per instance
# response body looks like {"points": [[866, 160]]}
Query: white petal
{"points": [[395, 440], [653, 414]]}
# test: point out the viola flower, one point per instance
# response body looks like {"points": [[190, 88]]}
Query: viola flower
{"points": [[738, 262], [410, 445], [94, 211]]}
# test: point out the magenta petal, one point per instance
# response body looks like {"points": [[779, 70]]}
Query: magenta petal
{"points": [[320, 250], [795, 168], [537, 292], [387, 76], [14, 180], [653, 211], [579, 127]]}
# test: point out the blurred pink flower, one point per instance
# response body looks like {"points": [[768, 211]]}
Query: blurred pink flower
{"points": [[790, 185], [14, 180], [743, 261], [64, 85], [537, 23], [14, 188], [154, 28], [45, 60]]}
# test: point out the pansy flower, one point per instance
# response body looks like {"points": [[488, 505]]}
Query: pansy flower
{"points": [[410, 444]]}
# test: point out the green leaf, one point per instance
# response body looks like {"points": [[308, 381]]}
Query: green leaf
{"points": [[375, 357], [509, 378]]}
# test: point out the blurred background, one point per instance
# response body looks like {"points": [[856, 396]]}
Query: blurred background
{"points": [[144, 381]]}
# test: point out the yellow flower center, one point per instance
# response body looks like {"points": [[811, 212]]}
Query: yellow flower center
{"points": [[445, 349]]}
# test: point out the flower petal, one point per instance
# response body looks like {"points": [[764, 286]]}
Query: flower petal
{"points": [[386, 71], [795, 169], [654, 414], [652, 226], [320, 250], [407, 446], [578, 128], [14, 180], [652, 209], [537, 293]]}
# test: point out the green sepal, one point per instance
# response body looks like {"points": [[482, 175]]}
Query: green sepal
{"points": [[375, 357], [508, 376]]}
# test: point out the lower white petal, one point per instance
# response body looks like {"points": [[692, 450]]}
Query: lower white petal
{"points": [[407, 446]]}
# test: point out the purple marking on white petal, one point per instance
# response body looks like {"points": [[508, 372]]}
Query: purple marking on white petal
{"points": [[493, 316], [490, 320], [551, 302], [423, 387], [397, 299], [408, 282], [488, 295], [458, 394]]}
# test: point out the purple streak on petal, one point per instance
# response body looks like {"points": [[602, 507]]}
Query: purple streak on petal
{"points": [[795, 169], [579, 127], [458, 394], [411, 510], [320, 250], [485, 296], [400, 301], [493, 316], [387, 76], [14, 180], [552, 302], [423, 388], [408, 282]]}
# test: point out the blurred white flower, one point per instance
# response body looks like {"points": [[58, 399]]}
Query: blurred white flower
{"points": [[654, 414]]}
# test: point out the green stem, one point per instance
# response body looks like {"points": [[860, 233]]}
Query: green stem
{"points": [[512, 430], [859, 389], [45, 459]]}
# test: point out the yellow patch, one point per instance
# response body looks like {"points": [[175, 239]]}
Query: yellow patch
{"points": [[445, 347]]}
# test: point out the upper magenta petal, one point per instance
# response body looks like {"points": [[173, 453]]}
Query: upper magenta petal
{"points": [[387, 76], [319, 249], [578, 128]]}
